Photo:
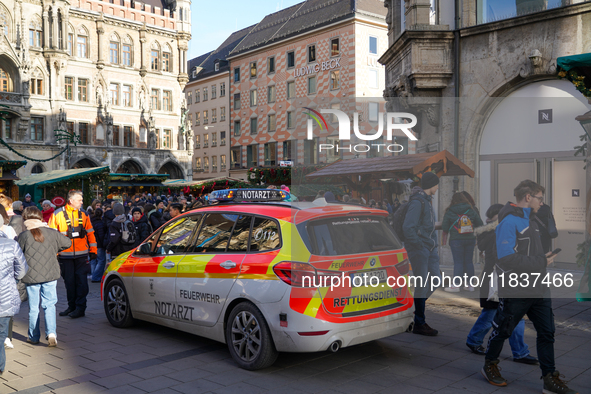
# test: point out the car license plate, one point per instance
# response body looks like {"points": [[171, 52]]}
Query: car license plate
{"points": [[367, 280]]}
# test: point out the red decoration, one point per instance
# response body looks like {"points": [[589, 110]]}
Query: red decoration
{"points": [[58, 201]]}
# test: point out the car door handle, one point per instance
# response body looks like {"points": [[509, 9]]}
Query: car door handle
{"points": [[168, 264], [228, 264]]}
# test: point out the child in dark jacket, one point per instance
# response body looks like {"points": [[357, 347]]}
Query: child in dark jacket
{"points": [[486, 243], [97, 265], [142, 226]]}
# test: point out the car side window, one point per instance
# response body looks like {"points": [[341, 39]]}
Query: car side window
{"points": [[215, 233], [239, 238], [176, 236], [265, 235]]}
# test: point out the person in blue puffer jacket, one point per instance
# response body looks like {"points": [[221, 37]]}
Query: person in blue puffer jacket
{"points": [[13, 267]]}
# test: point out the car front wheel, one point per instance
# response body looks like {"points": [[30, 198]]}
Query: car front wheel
{"points": [[117, 306]]}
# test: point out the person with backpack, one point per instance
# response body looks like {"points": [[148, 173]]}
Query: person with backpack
{"points": [[459, 221], [142, 226], [122, 234], [420, 241], [486, 243], [97, 265]]}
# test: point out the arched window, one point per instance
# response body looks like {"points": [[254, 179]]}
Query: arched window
{"points": [[5, 81], [127, 51], [4, 20], [36, 84], [114, 49], [155, 56], [37, 169], [35, 32], [167, 59], [60, 30], [82, 43], [70, 43]]}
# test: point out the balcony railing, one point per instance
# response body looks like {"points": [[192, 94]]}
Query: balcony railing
{"points": [[223, 142], [205, 145], [205, 121], [214, 168], [223, 167], [10, 98], [197, 145], [213, 144]]}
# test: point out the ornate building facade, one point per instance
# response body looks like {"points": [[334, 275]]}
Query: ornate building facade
{"points": [[111, 72]]}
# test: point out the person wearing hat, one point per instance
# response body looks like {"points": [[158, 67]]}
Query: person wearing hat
{"points": [[142, 226], [117, 245], [48, 210], [421, 245], [28, 202]]}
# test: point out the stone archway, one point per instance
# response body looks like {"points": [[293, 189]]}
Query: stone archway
{"points": [[85, 163], [173, 170], [130, 167]]}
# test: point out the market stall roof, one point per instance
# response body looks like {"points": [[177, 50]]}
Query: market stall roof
{"points": [[7, 167], [49, 177], [568, 62], [131, 180], [183, 183], [443, 163]]}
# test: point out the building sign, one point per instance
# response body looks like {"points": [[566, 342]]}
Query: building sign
{"points": [[314, 68], [544, 116], [285, 163], [576, 192]]}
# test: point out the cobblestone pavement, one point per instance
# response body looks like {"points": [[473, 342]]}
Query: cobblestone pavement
{"points": [[93, 356]]}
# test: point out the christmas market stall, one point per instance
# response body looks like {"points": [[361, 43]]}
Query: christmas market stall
{"points": [[202, 187], [130, 184], [49, 184], [8, 177]]}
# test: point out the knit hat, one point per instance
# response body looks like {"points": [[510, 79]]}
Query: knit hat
{"points": [[118, 209], [429, 180], [27, 195], [136, 209]]}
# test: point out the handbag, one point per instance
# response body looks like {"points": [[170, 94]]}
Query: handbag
{"points": [[22, 290]]}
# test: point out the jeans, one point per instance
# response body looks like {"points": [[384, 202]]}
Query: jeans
{"points": [[482, 326], [4, 321], [462, 251], [47, 294], [74, 272], [425, 264], [510, 312], [97, 266]]}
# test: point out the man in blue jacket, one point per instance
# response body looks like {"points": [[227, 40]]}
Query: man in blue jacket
{"points": [[421, 245], [520, 252]]}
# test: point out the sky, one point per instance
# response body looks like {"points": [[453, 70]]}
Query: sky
{"points": [[212, 21]]}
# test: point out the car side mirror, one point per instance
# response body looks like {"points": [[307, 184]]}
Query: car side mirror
{"points": [[145, 249]]}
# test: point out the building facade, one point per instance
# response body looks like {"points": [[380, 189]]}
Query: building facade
{"points": [[112, 73], [513, 118]]}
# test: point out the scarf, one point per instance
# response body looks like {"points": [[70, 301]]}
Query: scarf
{"points": [[34, 223]]}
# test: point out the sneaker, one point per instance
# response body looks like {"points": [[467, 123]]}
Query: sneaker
{"points": [[469, 288], [553, 384], [424, 330], [67, 312], [8, 344], [29, 340], [531, 360], [477, 349], [52, 340], [452, 289], [491, 372]]}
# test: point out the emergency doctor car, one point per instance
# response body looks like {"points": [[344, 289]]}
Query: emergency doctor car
{"points": [[266, 276]]}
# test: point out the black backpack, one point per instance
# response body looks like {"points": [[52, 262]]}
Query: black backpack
{"points": [[400, 215], [128, 233]]}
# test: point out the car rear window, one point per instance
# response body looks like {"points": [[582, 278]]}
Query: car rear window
{"points": [[348, 235]]}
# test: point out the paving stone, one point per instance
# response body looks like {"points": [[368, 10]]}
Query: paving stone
{"points": [[121, 379], [154, 384], [197, 386], [242, 388], [188, 375], [86, 388]]}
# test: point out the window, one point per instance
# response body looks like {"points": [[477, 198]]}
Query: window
{"points": [[116, 138], [216, 66], [271, 154], [190, 119], [254, 122], [166, 64], [237, 101], [288, 150], [82, 89], [335, 79], [205, 117], [291, 90], [290, 59], [271, 94], [335, 48], [236, 157], [126, 55], [290, 120], [222, 114], [155, 99], [154, 59], [265, 235], [35, 34], [83, 132], [198, 163], [205, 94], [253, 98], [189, 98], [206, 164], [237, 74], [197, 95], [271, 65], [36, 85], [312, 85], [114, 90], [214, 139], [70, 44], [271, 122], [237, 128], [373, 79], [197, 118], [253, 70], [332, 155], [114, 52], [311, 151], [166, 139], [69, 88], [127, 136], [214, 162], [197, 141], [37, 129], [167, 100], [222, 162], [252, 155], [373, 112], [213, 92], [373, 45], [222, 89], [311, 53], [176, 236], [222, 138], [82, 45], [7, 128], [215, 233], [5, 81], [127, 95], [214, 115]]}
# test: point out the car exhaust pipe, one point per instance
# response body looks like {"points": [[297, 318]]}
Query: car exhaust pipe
{"points": [[335, 346], [410, 327]]}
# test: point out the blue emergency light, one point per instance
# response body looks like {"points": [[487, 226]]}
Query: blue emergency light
{"points": [[249, 195]]}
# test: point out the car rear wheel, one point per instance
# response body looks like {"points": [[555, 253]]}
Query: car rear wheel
{"points": [[249, 338], [117, 306]]}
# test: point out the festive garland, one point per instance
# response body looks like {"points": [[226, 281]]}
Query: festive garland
{"points": [[9, 165], [137, 178], [577, 80]]}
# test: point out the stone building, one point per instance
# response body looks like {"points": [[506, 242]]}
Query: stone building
{"points": [[482, 76], [112, 72]]}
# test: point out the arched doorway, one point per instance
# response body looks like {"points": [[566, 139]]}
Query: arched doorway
{"points": [[173, 170], [37, 169], [531, 134], [84, 163], [129, 167]]}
